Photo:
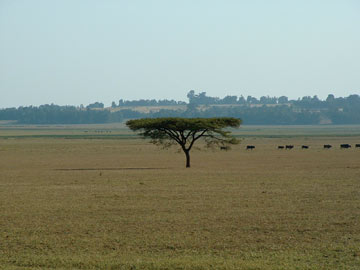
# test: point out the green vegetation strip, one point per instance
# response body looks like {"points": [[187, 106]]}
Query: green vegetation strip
{"points": [[135, 136], [294, 135], [102, 137]]}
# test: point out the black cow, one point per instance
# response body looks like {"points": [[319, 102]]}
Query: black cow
{"points": [[289, 147], [357, 145], [250, 147], [327, 146], [224, 148], [281, 147], [304, 147], [345, 146]]}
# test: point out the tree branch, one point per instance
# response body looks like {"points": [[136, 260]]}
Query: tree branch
{"points": [[196, 138]]}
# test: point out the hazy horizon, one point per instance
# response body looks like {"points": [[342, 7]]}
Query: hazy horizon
{"points": [[79, 52], [108, 104]]}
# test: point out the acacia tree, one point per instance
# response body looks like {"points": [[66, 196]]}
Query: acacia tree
{"points": [[186, 131]]}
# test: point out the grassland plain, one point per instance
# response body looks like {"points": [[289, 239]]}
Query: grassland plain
{"points": [[126, 204]]}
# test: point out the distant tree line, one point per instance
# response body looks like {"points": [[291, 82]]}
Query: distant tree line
{"points": [[304, 102], [253, 111], [278, 110], [203, 99], [96, 105], [54, 114], [146, 102]]}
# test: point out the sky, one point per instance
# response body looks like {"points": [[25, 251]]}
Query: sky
{"points": [[72, 52]]}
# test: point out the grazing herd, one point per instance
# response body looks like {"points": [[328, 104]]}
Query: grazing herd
{"points": [[289, 147]]}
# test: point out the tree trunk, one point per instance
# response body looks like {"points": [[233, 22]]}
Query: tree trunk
{"points": [[187, 154]]}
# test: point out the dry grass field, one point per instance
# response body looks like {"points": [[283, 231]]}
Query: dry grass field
{"points": [[77, 203]]}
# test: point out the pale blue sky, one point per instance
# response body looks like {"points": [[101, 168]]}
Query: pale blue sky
{"points": [[82, 51]]}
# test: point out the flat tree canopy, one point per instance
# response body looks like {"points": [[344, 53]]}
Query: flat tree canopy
{"points": [[186, 131]]}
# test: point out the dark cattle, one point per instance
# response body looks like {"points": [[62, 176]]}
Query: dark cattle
{"points": [[357, 145], [345, 146], [281, 147], [250, 147], [327, 146], [305, 147], [289, 147], [224, 148]]}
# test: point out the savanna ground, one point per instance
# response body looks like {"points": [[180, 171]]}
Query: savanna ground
{"points": [[82, 198]]}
